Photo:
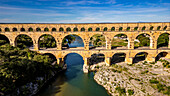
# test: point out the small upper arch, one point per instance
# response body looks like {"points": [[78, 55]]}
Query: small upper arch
{"points": [[90, 29], [30, 29], [54, 29], [105, 29], [136, 28], [151, 28], [38, 29], [61, 29], [113, 29], [97, 29], [7, 29], [121, 28], [46, 29], [14, 29], [68, 29], [75, 29], [83, 29], [22, 29], [143, 28]]}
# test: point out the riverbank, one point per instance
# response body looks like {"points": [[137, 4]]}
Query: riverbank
{"points": [[143, 78]]}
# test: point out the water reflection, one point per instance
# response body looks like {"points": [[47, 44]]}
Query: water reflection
{"points": [[74, 82]]}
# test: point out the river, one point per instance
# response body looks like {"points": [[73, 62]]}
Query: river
{"points": [[74, 82]]}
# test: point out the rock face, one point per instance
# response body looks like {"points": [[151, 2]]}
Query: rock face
{"points": [[140, 79]]}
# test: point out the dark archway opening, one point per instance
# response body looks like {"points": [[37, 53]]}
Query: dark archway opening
{"points": [[47, 41], [96, 58], [142, 41], [119, 41], [140, 57], [72, 41], [97, 41], [4, 40], [163, 40], [162, 54], [23, 41], [118, 57], [52, 57]]}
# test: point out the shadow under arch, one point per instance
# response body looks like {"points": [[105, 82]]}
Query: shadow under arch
{"points": [[72, 41], [141, 56], [118, 57], [46, 41], [23, 41], [142, 40], [97, 41], [51, 56], [161, 54], [163, 40], [96, 58], [119, 41], [4, 40]]}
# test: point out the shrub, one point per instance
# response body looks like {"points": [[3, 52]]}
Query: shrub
{"points": [[131, 92], [153, 81]]}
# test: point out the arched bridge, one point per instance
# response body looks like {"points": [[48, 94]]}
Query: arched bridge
{"points": [[86, 31]]}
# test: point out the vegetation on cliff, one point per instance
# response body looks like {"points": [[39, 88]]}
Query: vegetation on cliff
{"points": [[19, 67]]}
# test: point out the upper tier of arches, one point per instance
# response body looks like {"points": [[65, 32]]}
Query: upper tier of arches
{"points": [[84, 27]]}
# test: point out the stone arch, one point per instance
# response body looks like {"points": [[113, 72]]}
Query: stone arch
{"points": [[143, 28], [30, 29], [42, 43], [163, 40], [128, 29], [143, 40], [118, 57], [75, 29], [140, 56], [61, 29], [52, 56], [26, 43], [98, 42], [90, 29], [161, 54], [7, 29], [46, 29], [165, 27], [38, 29], [83, 29], [14, 29], [54, 29], [123, 40], [97, 29], [96, 58], [22, 29], [159, 27], [3, 37], [113, 29], [68, 29], [151, 28], [105, 29], [68, 36], [136, 28], [120, 28]]}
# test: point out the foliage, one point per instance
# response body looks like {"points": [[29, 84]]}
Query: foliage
{"points": [[47, 41], [120, 90], [163, 40], [18, 67], [24, 41], [144, 40], [98, 40], [165, 63], [131, 92], [68, 39]]}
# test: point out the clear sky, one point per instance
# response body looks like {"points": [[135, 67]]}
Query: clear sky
{"points": [[84, 11]]}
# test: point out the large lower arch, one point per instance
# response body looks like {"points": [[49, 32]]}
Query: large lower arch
{"points": [[46, 41], [97, 41], [161, 54], [163, 40], [72, 41], [23, 41], [142, 41], [141, 56], [118, 57], [96, 58], [51, 56], [73, 59], [119, 41], [4, 40]]}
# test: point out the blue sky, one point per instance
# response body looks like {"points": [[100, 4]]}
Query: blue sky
{"points": [[84, 11]]}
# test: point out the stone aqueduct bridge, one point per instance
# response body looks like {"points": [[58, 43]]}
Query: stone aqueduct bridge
{"points": [[86, 31]]}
